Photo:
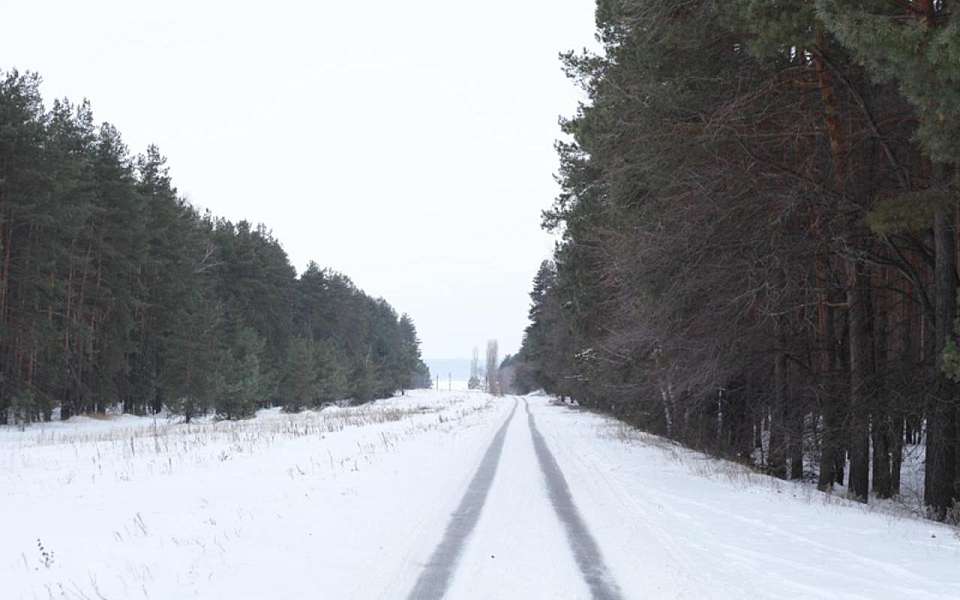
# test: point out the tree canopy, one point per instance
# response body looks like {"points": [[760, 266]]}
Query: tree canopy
{"points": [[116, 292], [758, 236]]}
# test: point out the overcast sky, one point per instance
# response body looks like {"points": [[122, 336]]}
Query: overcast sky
{"points": [[408, 144]]}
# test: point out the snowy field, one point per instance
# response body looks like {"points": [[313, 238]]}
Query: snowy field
{"points": [[353, 503], [320, 505]]}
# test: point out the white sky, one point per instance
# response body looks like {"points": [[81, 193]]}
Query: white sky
{"points": [[407, 144]]}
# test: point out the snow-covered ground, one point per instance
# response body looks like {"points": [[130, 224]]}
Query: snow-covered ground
{"points": [[676, 524], [353, 503], [320, 505]]}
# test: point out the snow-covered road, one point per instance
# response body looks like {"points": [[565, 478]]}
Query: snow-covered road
{"points": [[530, 539], [435, 578], [435, 493]]}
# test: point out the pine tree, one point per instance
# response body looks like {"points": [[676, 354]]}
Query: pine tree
{"points": [[410, 361], [299, 386], [917, 45], [159, 275], [22, 136], [193, 357], [115, 292], [71, 141], [333, 384], [364, 380], [243, 385]]}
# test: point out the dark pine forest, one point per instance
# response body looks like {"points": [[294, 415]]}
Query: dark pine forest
{"points": [[117, 293], [758, 226]]}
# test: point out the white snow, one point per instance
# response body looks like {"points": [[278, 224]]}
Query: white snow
{"points": [[519, 545], [324, 505], [673, 523], [350, 503]]}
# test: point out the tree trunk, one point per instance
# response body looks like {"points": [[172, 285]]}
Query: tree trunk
{"points": [[832, 458], [880, 423], [777, 443], [941, 459], [882, 476], [861, 375], [796, 441], [896, 456]]}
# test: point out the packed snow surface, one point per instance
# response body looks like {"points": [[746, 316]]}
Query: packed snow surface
{"points": [[354, 503]]}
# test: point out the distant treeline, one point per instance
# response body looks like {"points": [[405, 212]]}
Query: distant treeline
{"points": [[759, 236], [114, 291]]}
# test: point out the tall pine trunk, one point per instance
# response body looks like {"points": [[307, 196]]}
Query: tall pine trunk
{"points": [[832, 407], [831, 451], [776, 460], [880, 423], [861, 376], [941, 459]]}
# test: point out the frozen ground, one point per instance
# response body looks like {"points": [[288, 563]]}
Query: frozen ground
{"points": [[413, 494]]}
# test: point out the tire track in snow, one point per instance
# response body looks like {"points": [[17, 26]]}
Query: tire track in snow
{"points": [[585, 550], [435, 578]]}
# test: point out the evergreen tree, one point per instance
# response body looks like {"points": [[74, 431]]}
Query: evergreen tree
{"points": [[243, 385], [917, 46], [723, 228], [364, 380], [116, 293], [411, 364], [193, 358], [332, 376], [299, 387]]}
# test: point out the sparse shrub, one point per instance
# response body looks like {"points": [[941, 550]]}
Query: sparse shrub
{"points": [[953, 514], [22, 407], [46, 556]]}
